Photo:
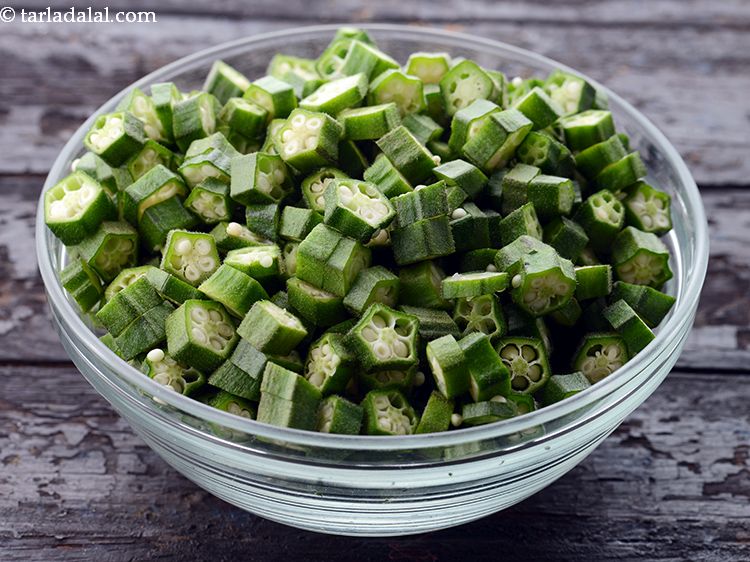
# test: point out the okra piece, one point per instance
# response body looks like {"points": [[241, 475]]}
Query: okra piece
{"points": [[640, 258], [423, 127], [337, 95], [571, 93], [542, 282], [272, 134], [288, 264], [384, 338], [449, 366], [144, 333], [481, 314], [191, 256], [599, 355], [407, 154], [82, 283], [524, 402], [421, 285], [622, 173], [369, 123], [464, 83], [651, 305], [297, 71], [351, 158], [155, 186], [242, 372], [428, 67], [647, 208], [470, 285], [287, 399], [433, 101], [629, 325], [274, 95], [546, 153], [470, 228], [513, 252], [514, 186], [244, 117], [200, 333], [210, 201], [314, 187], [425, 239], [437, 414], [521, 222], [225, 82], [338, 415], [165, 95], [263, 219], [329, 364], [595, 158], [560, 387], [315, 305], [356, 208], [234, 289], [566, 236], [593, 281], [160, 219], [488, 411], [151, 155], [375, 284], [551, 196], [143, 107], [233, 235], [296, 223], [210, 164], [497, 139], [388, 412], [259, 178], [116, 137], [384, 175], [425, 203], [526, 359], [259, 262], [568, 314], [587, 128], [602, 216], [433, 324], [230, 403], [75, 208], [308, 140], [171, 287], [398, 87], [462, 174], [163, 369], [488, 376], [111, 248], [111, 179], [271, 329], [194, 118], [538, 107], [467, 121]]}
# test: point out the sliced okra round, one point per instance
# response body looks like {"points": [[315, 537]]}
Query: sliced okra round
{"points": [[259, 178], [259, 262], [151, 155], [640, 258], [164, 96], [337, 95], [244, 117], [338, 415], [232, 404], [571, 93], [587, 128], [315, 305], [474, 284], [274, 95], [602, 216], [289, 258], [212, 164], [224, 82], [398, 379], [386, 177], [448, 365], [420, 285], [464, 83], [648, 209], [527, 362], [233, 235], [356, 208], [115, 137], [210, 201], [537, 106], [191, 256], [124, 279], [144, 108], [272, 329], [433, 323], [622, 173], [82, 283], [407, 154], [375, 284], [314, 187], [428, 67], [542, 282], [163, 369], [480, 314], [385, 338], [488, 411], [194, 118], [398, 87], [234, 289], [488, 375], [297, 71], [651, 305], [388, 412], [497, 139], [111, 248], [599, 355], [154, 187], [329, 365], [626, 321], [308, 140], [370, 122]]}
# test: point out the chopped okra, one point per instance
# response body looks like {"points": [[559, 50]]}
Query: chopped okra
{"points": [[435, 239]]}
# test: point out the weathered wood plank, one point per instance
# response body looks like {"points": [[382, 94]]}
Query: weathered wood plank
{"points": [[695, 95], [721, 337], [671, 483]]}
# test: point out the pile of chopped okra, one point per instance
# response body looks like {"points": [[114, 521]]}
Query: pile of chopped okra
{"points": [[353, 246]]}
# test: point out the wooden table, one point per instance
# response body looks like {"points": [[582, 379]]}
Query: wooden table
{"points": [[673, 482]]}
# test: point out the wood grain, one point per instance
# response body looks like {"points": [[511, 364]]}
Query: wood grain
{"points": [[77, 485]]}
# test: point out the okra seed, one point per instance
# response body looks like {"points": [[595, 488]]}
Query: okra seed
{"points": [[459, 213], [491, 268], [419, 378], [456, 420], [400, 349], [199, 335], [217, 344], [381, 350], [516, 281], [184, 247], [155, 355], [498, 398]]}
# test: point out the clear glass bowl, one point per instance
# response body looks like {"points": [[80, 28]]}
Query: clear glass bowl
{"points": [[385, 485]]}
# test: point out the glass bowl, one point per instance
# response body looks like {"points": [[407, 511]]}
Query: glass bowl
{"points": [[381, 486]]}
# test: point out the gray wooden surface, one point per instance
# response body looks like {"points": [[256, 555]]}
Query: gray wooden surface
{"points": [[672, 483]]}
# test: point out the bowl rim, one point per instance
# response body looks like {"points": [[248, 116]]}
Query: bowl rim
{"points": [[127, 373]]}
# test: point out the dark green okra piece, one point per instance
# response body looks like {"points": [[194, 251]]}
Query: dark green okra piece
{"points": [[82, 283], [560, 387], [233, 404], [593, 281], [329, 364], [488, 411], [314, 187], [190, 256], [338, 415], [496, 141], [599, 355], [640, 258], [568, 314], [571, 93], [115, 137], [388, 412], [315, 305], [144, 333], [527, 361], [470, 227], [488, 375], [308, 140], [370, 122], [552, 196], [629, 325], [541, 150], [521, 222], [259, 178], [170, 287], [425, 239], [602, 216], [243, 117], [567, 237], [375, 284], [407, 154], [163, 369], [200, 333], [386, 177], [398, 379], [233, 235], [651, 305], [194, 117], [622, 173], [271, 329], [160, 219], [263, 219], [538, 107], [287, 399], [151, 155], [433, 323], [482, 259], [234, 289], [385, 338], [242, 372], [474, 284], [467, 121], [464, 83], [587, 128], [647, 208], [448, 365], [437, 414], [481, 314], [274, 95], [462, 174], [541, 281], [210, 201], [128, 304], [514, 186], [421, 285], [423, 127], [595, 158], [224, 82]]}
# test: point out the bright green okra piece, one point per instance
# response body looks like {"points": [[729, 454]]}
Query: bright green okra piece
{"points": [[274, 95], [160, 219], [115, 137], [470, 227], [629, 325], [338, 415], [82, 283], [233, 235], [164, 96], [560, 387], [622, 173], [423, 127], [593, 281], [259, 262], [424, 203], [143, 107], [587, 128], [387, 178], [264, 219], [524, 402], [474, 284], [640, 258], [194, 117], [233, 404], [214, 163], [425, 239], [647, 208], [329, 364], [244, 118], [296, 223], [467, 121], [271, 329], [567, 237], [497, 139], [521, 222], [462, 174], [542, 281], [546, 153], [224, 82], [602, 216], [433, 324], [357, 208], [552, 196], [571, 93], [163, 369], [287, 399], [437, 414], [526, 359], [109, 249], [155, 186], [428, 67], [538, 107], [651, 305], [488, 375], [297, 71], [170, 287], [407, 154], [388, 412], [190, 256], [144, 333], [398, 87], [259, 178], [316, 306], [514, 186], [128, 304], [337, 95], [374, 284], [200, 333], [151, 155], [464, 83], [111, 179], [308, 140], [599, 355], [75, 208], [242, 372], [384, 338], [234, 289], [481, 314], [370, 122], [488, 411], [595, 158], [421, 285], [210, 201], [449, 366], [513, 252], [314, 187]]}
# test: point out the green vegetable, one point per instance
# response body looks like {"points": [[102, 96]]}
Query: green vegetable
{"points": [[560, 387], [384, 338], [271, 329], [526, 359], [191, 256], [116, 137], [449, 366], [388, 412], [201, 334], [599, 355], [488, 375], [338, 415], [437, 414]]}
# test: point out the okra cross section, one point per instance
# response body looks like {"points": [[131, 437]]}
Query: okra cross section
{"points": [[640, 258], [308, 140], [201, 334], [155, 186], [329, 364], [163, 369], [647, 208], [481, 314], [488, 376], [526, 359], [191, 256], [338, 415], [599, 355], [111, 248], [271, 329], [542, 281], [116, 137], [259, 178], [388, 412], [356, 208], [384, 338]]}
